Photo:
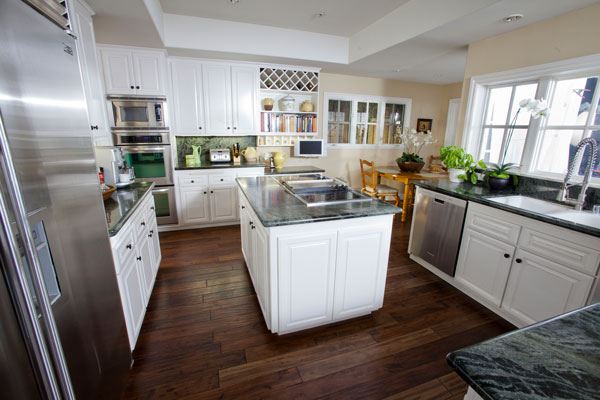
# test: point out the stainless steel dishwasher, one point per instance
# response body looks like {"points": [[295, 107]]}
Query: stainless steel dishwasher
{"points": [[437, 229]]}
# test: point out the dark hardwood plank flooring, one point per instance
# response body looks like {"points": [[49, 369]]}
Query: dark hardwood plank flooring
{"points": [[204, 336]]}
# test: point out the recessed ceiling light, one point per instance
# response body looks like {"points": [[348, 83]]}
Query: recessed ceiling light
{"points": [[234, 2], [512, 18], [320, 14]]}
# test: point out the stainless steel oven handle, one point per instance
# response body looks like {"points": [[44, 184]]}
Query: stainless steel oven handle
{"points": [[51, 350], [143, 149], [161, 190]]}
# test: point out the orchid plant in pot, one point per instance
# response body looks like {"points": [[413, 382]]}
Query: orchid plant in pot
{"points": [[498, 175], [413, 142]]}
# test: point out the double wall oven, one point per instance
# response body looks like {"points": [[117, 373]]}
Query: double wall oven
{"points": [[139, 130]]}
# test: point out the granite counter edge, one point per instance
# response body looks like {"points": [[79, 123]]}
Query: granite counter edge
{"points": [[119, 225]]}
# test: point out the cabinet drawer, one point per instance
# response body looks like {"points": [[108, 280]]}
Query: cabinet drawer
{"points": [[140, 222], [193, 180], [221, 179], [124, 249], [561, 251], [493, 226]]}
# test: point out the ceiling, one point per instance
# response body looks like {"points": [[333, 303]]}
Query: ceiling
{"points": [[342, 17], [435, 54]]}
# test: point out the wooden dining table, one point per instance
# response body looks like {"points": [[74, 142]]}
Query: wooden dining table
{"points": [[393, 173]]}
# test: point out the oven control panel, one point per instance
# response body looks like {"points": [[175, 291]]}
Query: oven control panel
{"points": [[220, 155]]}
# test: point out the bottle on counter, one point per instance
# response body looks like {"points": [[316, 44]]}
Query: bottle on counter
{"points": [[101, 178]]}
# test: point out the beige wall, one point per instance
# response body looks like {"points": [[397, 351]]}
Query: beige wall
{"points": [[428, 101], [570, 35]]}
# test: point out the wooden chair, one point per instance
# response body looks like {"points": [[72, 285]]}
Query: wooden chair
{"points": [[371, 186]]}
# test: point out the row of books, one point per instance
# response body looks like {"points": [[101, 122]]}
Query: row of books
{"points": [[270, 122]]}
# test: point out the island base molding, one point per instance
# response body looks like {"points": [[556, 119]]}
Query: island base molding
{"points": [[316, 273]]}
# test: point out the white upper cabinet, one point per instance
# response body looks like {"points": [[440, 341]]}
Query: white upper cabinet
{"points": [[214, 98], [90, 73], [244, 86], [188, 101], [133, 71], [217, 99]]}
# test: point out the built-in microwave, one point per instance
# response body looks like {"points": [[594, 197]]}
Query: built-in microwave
{"points": [[138, 112]]}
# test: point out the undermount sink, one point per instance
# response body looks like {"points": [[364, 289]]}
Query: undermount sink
{"points": [[549, 208]]}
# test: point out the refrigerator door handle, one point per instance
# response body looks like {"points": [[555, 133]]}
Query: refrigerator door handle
{"points": [[51, 349]]}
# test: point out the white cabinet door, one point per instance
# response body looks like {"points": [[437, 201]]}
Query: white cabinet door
{"points": [[244, 82], [133, 297], [245, 228], [358, 288], [118, 71], [145, 263], [188, 111], [306, 267], [195, 205], [260, 257], [539, 289], [149, 72], [154, 247], [223, 204], [92, 80], [483, 265], [217, 98]]}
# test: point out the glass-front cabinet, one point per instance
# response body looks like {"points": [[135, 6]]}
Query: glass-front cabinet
{"points": [[365, 120]]}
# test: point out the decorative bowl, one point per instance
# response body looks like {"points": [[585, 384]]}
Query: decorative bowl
{"points": [[410, 166]]}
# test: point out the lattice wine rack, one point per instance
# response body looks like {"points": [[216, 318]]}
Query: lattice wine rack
{"points": [[288, 79]]}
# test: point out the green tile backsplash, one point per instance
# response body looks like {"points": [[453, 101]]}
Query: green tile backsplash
{"points": [[184, 145]]}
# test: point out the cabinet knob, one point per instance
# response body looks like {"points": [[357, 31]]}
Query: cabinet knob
{"points": [[152, 208], [205, 193], [129, 246], [228, 127], [253, 226], [221, 179], [137, 87], [139, 258], [506, 255], [94, 127], [200, 127], [150, 235], [143, 223], [243, 207], [235, 127], [192, 181], [250, 223], [519, 261], [211, 191], [132, 87]]}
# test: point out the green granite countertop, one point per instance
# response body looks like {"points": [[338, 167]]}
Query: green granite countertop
{"points": [[122, 204], [209, 165], [482, 194], [554, 359], [290, 170], [274, 206]]}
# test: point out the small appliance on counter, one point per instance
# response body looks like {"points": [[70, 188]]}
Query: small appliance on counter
{"points": [[250, 154], [220, 155]]}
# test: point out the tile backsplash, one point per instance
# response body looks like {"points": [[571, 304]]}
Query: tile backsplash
{"points": [[184, 145]]}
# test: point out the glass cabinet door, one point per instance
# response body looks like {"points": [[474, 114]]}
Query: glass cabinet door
{"points": [[338, 123], [366, 123], [393, 123]]}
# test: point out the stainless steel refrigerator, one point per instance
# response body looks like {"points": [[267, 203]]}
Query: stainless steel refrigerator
{"points": [[62, 329]]}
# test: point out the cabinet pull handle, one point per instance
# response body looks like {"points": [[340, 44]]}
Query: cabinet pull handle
{"points": [[152, 208], [150, 235], [211, 191], [243, 207], [235, 127], [228, 127], [519, 261], [205, 193], [250, 223], [132, 87], [221, 179], [137, 87], [506, 255], [200, 127], [253, 226], [94, 127], [192, 181], [129, 246], [139, 258], [143, 223]]}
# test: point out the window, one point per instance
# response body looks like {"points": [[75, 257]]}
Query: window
{"points": [[540, 147], [365, 120]]}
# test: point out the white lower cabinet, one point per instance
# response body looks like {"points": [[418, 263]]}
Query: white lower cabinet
{"points": [[306, 275], [483, 265], [136, 253], [306, 279], [209, 197], [539, 288], [526, 270]]}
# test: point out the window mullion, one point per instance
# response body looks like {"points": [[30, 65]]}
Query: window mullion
{"points": [[533, 139], [504, 145], [594, 106]]}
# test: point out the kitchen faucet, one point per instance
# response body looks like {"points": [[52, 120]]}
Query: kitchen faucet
{"points": [[563, 194]]}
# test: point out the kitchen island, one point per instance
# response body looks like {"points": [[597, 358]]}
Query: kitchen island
{"points": [[554, 359], [312, 266]]}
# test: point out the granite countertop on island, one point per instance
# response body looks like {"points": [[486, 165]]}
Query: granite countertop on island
{"points": [[122, 204], [274, 206], [554, 359], [482, 194], [290, 170]]}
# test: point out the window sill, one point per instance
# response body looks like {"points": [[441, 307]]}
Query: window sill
{"points": [[594, 182], [334, 146]]}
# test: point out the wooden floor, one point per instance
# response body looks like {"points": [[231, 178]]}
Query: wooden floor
{"points": [[204, 336]]}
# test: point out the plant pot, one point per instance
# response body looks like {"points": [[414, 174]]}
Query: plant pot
{"points": [[410, 166], [453, 174], [498, 183]]}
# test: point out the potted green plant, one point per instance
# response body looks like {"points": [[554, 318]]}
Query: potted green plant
{"points": [[413, 142], [498, 176], [470, 174], [457, 160]]}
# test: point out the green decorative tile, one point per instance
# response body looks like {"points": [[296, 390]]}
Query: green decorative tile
{"points": [[184, 145]]}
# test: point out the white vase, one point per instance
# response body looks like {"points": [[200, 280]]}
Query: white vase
{"points": [[453, 174]]}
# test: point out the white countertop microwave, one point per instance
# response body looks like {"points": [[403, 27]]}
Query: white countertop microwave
{"points": [[309, 148]]}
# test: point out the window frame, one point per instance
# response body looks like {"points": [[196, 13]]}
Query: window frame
{"points": [[546, 75], [355, 99]]}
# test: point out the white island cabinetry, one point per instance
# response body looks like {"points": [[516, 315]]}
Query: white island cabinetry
{"points": [[312, 274]]}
